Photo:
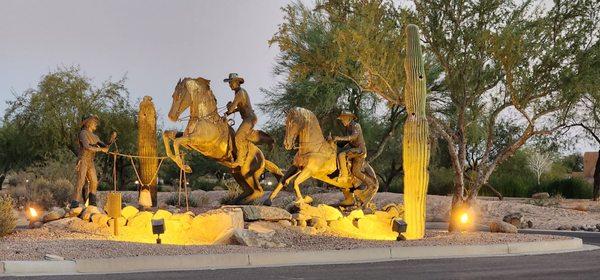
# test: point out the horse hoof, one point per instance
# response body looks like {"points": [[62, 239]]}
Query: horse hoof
{"points": [[187, 169], [268, 202]]}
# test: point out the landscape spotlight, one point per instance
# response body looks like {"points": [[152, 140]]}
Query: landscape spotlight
{"points": [[158, 228], [33, 216], [399, 226]]}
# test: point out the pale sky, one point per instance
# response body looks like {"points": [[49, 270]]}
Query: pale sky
{"points": [[153, 42]]}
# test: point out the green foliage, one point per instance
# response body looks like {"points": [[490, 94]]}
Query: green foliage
{"points": [[507, 76], [570, 188], [8, 220], [43, 122], [174, 200], [441, 180]]}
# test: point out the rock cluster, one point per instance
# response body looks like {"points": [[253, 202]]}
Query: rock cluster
{"points": [[517, 219], [590, 228]]}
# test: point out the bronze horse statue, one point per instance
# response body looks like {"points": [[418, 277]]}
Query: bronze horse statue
{"points": [[317, 158], [211, 135]]}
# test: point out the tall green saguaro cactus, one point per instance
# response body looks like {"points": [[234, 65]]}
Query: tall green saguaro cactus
{"points": [[415, 144], [147, 148]]}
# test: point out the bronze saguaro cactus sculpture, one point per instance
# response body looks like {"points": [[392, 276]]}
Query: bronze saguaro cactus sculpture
{"points": [[147, 150], [415, 146]]}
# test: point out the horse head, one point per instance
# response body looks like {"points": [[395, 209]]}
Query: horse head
{"points": [[192, 92], [294, 122]]}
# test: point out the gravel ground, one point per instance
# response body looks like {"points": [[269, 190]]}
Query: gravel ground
{"points": [[92, 242]]}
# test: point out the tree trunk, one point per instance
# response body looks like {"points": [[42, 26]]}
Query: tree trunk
{"points": [[2, 177], [596, 193], [415, 143], [457, 202]]}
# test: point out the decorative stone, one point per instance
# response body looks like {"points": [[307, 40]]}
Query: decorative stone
{"points": [[248, 237], [54, 214], [75, 212], [540, 195], [320, 224], [128, 212], [356, 214], [141, 219], [120, 221], [323, 211], [265, 213], [261, 228], [87, 213], [515, 219], [285, 223], [504, 227], [217, 226], [162, 214]]}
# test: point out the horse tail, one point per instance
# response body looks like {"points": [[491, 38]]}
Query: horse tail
{"points": [[274, 169]]}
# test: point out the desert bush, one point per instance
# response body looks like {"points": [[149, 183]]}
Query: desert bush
{"points": [[570, 188], [43, 192], [203, 183], [174, 200], [441, 181], [60, 166], [8, 221], [233, 191]]}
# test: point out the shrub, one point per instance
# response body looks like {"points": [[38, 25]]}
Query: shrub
{"points": [[202, 183], [174, 200], [8, 221], [42, 192], [233, 191], [570, 188]]}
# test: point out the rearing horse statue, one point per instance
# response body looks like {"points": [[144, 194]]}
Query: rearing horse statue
{"points": [[317, 158], [211, 135]]}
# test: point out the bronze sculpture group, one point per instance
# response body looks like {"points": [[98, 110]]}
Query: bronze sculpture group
{"points": [[212, 135]]}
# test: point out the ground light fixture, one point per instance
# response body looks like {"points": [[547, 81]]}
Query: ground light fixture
{"points": [[399, 226], [33, 216], [158, 228]]}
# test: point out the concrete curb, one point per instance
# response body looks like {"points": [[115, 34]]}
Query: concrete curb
{"points": [[223, 261]]}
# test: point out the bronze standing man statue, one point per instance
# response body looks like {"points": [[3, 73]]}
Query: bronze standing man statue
{"points": [[241, 103], [89, 144], [355, 150]]}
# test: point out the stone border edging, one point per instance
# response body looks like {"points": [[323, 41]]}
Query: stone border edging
{"points": [[249, 260]]}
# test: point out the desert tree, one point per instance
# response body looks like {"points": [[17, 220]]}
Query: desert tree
{"points": [[507, 69], [539, 163]]}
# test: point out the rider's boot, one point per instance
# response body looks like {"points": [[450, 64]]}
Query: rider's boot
{"points": [[343, 168]]}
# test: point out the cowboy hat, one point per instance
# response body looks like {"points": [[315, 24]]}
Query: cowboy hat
{"points": [[85, 120], [234, 76], [347, 114]]}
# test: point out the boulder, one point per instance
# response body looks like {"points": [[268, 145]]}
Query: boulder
{"points": [[75, 212], [285, 223], [217, 226], [261, 228], [87, 213], [515, 219], [162, 214], [504, 227], [120, 221], [128, 212], [322, 210], [248, 237], [140, 220], [318, 223], [264, 213], [540, 195], [54, 214]]}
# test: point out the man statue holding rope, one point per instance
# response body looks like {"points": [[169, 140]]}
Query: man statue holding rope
{"points": [[89, 144]]}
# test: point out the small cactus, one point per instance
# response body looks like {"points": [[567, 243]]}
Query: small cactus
{"points": [[415, 146], [147, 148]]}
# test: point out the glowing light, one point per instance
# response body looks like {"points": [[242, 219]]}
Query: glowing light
{"points": [[32, 212], [137, 182], [464, 218], [269, 183]]}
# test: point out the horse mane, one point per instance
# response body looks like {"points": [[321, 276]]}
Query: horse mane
{"points": [[307, 117]]}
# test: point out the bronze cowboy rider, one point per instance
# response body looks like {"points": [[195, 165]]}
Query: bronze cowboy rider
{"points": [[89, 145], [355, 150], [241, 103]]}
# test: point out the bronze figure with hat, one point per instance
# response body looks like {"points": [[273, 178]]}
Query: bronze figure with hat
{"points": [[245, 132], [355, 149], [89, 144]]}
